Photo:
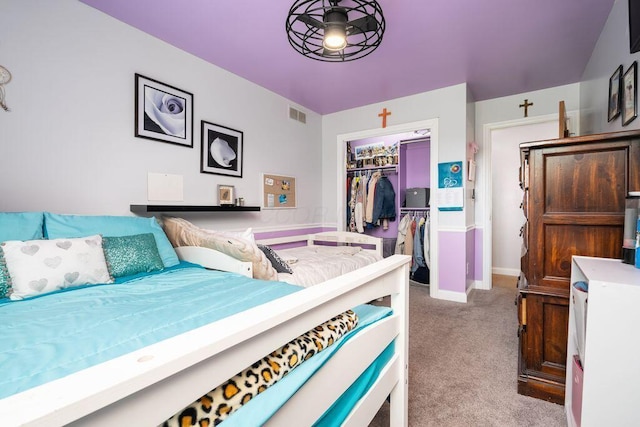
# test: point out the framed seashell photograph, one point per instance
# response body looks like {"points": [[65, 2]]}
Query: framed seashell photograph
{"points": [[163, 112], [221, 150]]}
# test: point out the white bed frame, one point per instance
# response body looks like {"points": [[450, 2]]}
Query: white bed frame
{"points": [[340, 237], [148, 386]]}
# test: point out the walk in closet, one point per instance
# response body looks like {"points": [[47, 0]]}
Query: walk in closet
{"points": [[387, 194]]}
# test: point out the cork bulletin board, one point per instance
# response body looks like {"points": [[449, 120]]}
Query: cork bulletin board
{"points": [[278, 191]]}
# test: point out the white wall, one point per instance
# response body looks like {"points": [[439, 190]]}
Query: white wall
{"points": [[67, 145], [504, 109], [448, 105], [611, 51]]}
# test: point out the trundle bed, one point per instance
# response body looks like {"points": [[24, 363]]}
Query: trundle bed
{"points": [[83, 373], [314, 258]]}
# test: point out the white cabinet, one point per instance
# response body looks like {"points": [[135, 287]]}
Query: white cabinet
{"points": [[611, 360]]}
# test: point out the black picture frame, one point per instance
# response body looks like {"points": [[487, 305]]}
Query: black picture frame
{"points": [[222, 150], [163, 112], [629, 94], [614, 94]]}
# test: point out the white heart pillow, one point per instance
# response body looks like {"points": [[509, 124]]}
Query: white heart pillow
{"points": [[41, 266]]}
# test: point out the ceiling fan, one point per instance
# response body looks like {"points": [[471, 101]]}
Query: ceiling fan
{"points": [[335, 30]]}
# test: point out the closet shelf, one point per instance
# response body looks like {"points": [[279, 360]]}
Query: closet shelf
{"points": [[393, 168], [415, 209]]}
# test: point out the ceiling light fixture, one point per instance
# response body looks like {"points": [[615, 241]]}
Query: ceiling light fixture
{"points": [[335, 30]]}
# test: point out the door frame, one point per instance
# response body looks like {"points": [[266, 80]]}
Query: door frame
{"points": [[487, 222], [341, 143]]}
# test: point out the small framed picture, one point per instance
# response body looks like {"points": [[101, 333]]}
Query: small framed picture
{"points": [[222, 150], [629, 92], [226, 195], [163, 113], [614, 93]]}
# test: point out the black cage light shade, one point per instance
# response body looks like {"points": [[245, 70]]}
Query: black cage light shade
{"points": [[335, 30]]}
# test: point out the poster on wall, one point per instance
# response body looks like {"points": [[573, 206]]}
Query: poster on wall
{"points": [[450, 190], [278, 191]]}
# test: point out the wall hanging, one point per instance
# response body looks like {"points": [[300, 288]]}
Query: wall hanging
{"points": [[163, 113], [222, 150]]}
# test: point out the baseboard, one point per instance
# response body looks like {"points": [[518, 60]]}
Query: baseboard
{"points": [[477, 284], [452, 296], [505, 271]]}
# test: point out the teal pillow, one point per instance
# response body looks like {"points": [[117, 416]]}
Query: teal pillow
{"points": [[21, 226], [4, 283], [58, 226], [128, 255], [17, 226]]}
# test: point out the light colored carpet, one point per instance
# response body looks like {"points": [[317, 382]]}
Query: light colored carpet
{"points": [[462, 363]]}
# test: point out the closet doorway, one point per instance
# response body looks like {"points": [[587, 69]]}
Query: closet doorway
{"points": [[405, 132], [501, 213]]}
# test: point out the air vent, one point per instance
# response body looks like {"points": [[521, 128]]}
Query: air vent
{"points": [[297, 115]]}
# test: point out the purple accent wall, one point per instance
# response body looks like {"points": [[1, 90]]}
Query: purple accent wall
{"points": [[470, 259], [478, 259], [417, 164], [451, 261]]}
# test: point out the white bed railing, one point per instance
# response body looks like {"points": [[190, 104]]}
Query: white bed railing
{"points": [[151, 384]]}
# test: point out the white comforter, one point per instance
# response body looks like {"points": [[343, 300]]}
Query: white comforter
{"points": [[314, 264]]}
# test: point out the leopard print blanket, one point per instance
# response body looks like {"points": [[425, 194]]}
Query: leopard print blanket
{"points": [[215, 406]]}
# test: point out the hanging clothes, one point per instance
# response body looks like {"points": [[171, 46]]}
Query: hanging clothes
{"points": [[384, 202], [352, 204], [426, 234], [408, 241], [359, 203], [364, 182], [418, 247], [403, 226], [371, 191]]}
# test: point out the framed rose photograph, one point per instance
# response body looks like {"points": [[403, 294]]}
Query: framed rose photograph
{"points": [[629, 92], [222, 150], [226, 195], [163, 112], [614, 93]]}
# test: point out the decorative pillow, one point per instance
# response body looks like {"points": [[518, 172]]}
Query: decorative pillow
{"points": [[183, 233], [21, 225], [277, 262], [246, 234], [18, 226], [4, 285], [40, 266], [129, 255], [58, 226]]}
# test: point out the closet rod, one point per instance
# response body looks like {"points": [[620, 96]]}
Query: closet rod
{"points": [[418, 139]]}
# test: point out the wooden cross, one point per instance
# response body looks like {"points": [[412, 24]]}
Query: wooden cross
{"points": [[526, 106], [384, 115]]}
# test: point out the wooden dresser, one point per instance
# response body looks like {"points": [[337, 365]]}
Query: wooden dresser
{"points": [[574, 200]]}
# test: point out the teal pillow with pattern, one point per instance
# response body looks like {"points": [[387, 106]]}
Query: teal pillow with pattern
{"points": [[128, 255], [4, 285]]}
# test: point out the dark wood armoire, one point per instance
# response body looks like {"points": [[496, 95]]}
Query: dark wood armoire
{"points": [[574, 202]]}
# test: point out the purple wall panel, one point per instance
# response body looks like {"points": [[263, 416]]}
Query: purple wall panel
{"points": [[417, 165], [451, 261], [471, 247], [478, 260]]}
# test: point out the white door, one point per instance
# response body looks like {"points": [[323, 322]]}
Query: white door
{"points": [[500, 208], [507, 215]]}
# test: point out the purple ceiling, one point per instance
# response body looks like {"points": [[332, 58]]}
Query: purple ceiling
{"points": [[499, 47]]}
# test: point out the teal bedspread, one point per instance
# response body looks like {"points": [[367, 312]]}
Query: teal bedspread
{"points": [[54, 335], [51, 336]]}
